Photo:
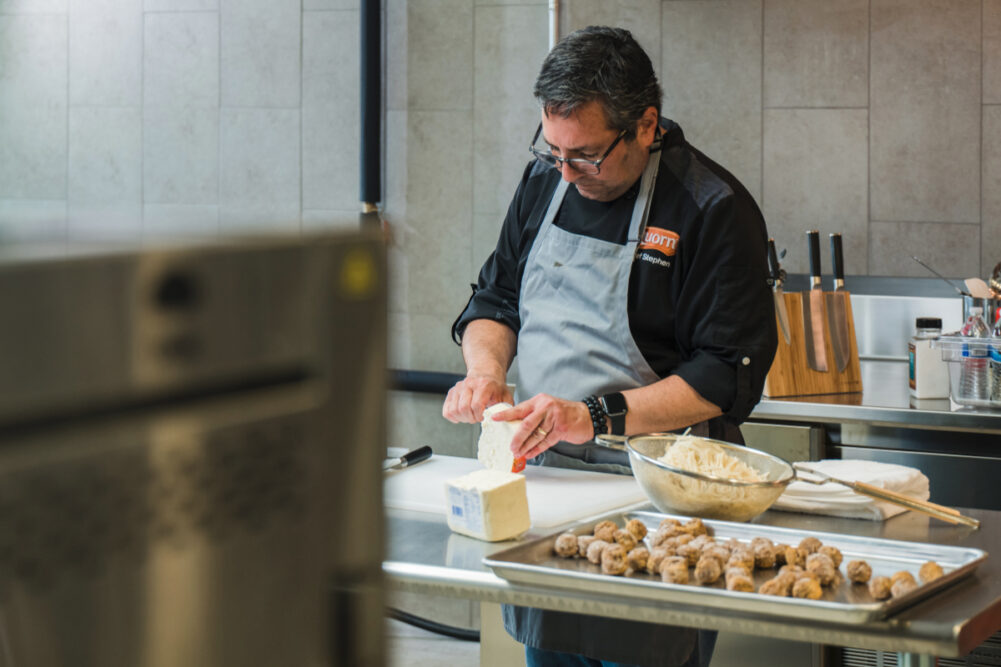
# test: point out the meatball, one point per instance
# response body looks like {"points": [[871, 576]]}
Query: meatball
{"points": [[794, 570], [708, 570], [779, 585], [637, 528], [902, 586], [594, 550], [656, 557], [728, 569], [823, 567], [833, 553], [637, 558], [811, 544], [808, 588], [613, 559], [658, 538], [695, 527], [605, 531], [764, 556], [930, 571], [683, 538], [625, 538], [667, 523], [674, 570], [741, 557], [795, 556], [719, 552], [879, 588], [689, 552], [566, 545], [902, 575], [858, 571], [583, 542], [737, 579], [701, 541]]}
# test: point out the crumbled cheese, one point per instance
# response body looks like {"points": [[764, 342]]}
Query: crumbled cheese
{"points": [[494, 447]]}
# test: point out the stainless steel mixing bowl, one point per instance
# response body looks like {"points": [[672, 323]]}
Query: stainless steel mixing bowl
{"points": [[678, 491]]}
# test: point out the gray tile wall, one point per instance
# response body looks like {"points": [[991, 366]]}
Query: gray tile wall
{"points": [[145, 119], [136, 120]]}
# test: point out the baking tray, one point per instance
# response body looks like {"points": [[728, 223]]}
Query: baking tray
{"points": [[534, 563]]}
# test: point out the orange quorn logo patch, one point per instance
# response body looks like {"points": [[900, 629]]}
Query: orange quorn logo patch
{"points": [[662, 240]]}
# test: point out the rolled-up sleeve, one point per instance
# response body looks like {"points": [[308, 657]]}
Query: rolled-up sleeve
{"points": [[726, 329], [489, 300]]}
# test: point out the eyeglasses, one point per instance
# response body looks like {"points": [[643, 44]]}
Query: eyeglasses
{"points": [[583, 165]]}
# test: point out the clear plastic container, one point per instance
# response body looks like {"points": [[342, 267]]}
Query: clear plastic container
{"points": [[974, 369]]}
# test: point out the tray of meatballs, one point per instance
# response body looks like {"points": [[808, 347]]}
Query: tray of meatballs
{"points": [[740, 566]]}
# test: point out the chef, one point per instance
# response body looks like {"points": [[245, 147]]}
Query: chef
{"points": [[630, 281]]}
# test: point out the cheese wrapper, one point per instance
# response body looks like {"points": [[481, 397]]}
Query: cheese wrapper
{"points": [[493, 449]]}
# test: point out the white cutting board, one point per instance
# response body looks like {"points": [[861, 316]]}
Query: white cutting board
{"points": [[555, 495]]}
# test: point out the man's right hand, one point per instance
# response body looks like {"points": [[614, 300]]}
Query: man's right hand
{"points": [[467, 400]]}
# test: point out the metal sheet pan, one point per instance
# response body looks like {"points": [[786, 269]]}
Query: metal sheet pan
{"points": [[534, 563]]}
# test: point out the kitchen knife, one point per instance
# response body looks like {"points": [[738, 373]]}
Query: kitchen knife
{"points": [[837, 307], [778, 277], [412, 457], [813, 309]]}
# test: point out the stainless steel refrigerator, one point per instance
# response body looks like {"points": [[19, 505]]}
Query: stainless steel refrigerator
{"points": [[190, 450]]}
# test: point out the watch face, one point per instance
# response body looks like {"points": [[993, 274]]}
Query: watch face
{"points": [[613, 404]]}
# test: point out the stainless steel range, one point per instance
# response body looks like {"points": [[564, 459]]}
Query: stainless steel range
{"points": [[190, 450]]}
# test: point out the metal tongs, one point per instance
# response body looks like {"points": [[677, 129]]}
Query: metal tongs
{"points": [[942, 512]]}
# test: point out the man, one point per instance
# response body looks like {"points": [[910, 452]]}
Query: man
{"points": [[630, 281]]}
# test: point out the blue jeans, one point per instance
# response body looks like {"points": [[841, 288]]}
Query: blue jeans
{"points": [[535, 657]]}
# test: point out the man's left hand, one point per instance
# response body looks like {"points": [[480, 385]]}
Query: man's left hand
{"points": [[546, 420]]}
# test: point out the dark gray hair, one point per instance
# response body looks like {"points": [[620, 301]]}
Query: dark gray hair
{"points": [[604, 65]]}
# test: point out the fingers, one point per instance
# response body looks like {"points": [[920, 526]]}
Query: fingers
{"points": [[449, 409], [530, 436], [543, 440], [466, 401], [483, 397], [546, 420], [519, 411]]}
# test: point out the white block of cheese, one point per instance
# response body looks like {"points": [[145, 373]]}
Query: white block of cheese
{"points": [[493, 449], [488, 504]]}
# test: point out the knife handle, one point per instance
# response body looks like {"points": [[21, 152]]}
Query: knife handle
{"points": [[813, 243], [838, 260], [416, 456], [773, 260]]}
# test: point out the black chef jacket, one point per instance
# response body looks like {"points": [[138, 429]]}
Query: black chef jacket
{"points": [[700, 305]]}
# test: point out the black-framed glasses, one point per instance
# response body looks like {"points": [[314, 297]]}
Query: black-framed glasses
{"points": [[583, 165]]}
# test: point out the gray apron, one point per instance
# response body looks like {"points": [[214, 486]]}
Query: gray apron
{"points": [[575, 341]]}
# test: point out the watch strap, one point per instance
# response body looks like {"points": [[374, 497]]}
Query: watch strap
{"points": [[615, 407]]}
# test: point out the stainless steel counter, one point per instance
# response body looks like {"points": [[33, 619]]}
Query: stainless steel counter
{"points": [[423, 556], [884, 401]]}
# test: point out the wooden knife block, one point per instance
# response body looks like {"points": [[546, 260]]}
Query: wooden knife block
{"points": [[791, 375]]}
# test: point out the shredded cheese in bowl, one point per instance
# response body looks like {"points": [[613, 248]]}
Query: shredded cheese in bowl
{"points": [[708, 458], [726, 486]]}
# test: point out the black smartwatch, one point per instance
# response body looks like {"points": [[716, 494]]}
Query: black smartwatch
{"points": [[614, 406]]}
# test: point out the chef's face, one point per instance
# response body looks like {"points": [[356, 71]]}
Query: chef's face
{"points": [[585, 134]]}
